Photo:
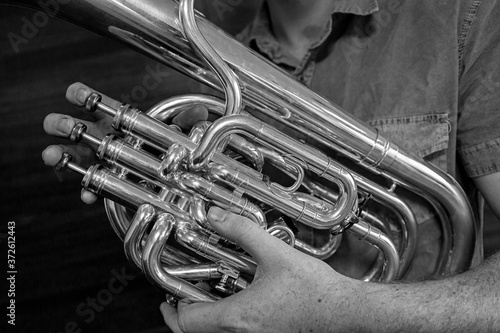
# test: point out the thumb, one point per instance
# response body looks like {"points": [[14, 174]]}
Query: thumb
{"points": [[256, 241], [194, 317], [170, 317]]}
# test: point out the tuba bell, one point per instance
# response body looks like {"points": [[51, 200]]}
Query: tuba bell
{"points": [[159, 182]]}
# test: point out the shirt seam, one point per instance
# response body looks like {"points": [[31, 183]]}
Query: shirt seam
{"points": [[466, 28], [471, 153], [485, 145], [431, 118]]}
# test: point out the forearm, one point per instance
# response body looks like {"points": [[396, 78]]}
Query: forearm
{"points": [[468, 302], [489, 186]]}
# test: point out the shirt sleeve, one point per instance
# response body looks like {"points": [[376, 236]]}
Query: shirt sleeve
{"points": [[479, 100]]}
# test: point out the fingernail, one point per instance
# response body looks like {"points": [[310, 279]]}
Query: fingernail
{"points": [[216, 214], [63, 126], [81, 95]]}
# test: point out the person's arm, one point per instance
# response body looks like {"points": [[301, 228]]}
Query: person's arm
{"points": [[293, 292], [489, 186], [468, 302]]}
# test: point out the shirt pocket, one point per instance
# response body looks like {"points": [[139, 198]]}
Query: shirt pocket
{"points": [[426, 136]]}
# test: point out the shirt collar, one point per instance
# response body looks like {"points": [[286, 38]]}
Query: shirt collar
{"points": [[260, 32]]}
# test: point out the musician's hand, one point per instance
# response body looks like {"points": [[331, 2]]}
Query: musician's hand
{"points": [[60, 125], [291, 292]]}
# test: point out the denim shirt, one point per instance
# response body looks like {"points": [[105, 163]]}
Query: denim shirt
{"points": [[425, 73]]}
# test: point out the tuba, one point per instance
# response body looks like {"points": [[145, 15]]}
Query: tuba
{"points": [[159, 182]]}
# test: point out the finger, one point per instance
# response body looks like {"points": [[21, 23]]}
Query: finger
{"points": [[197, 317], [170, 317], [256, 241], [88, 197], [58, 124], [188, 118], [53, 154], [61, 125], [77, 94]]}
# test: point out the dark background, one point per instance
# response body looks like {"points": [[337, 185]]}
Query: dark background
{"points": [[66, 251]]}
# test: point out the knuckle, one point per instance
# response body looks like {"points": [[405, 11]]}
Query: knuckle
{"points": [[241, 228]]}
